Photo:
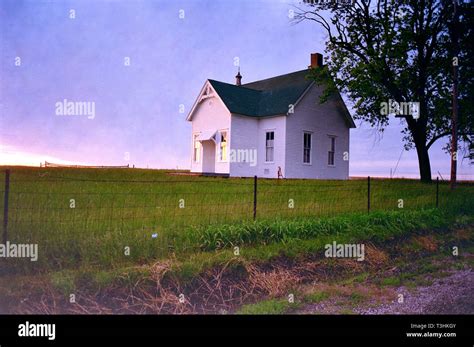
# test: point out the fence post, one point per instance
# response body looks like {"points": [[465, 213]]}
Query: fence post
{"points": [[5, 205], [368, 194], [437, 192], [254, 197]]}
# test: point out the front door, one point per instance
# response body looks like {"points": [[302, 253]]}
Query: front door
{"points": [[208, 156]]}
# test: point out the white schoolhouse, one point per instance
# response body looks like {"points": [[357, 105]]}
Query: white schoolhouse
{"points": [[272, 127]]}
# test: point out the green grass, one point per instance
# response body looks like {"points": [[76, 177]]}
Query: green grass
{"points": [[272, 306], [376, 226], [185, 268], [415, 274], [391, 281], [357, 298], [119, 208], [64, 281], [360, 278], [316, 297]]}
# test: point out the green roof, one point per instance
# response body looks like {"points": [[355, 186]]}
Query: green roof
{"points": [[263, 98], [238, 99], [271, 96]]}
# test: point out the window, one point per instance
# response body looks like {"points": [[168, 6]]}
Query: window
{"points": [[223, 146], [197, 149], [269, 146], [332, 150], [307, 148]]}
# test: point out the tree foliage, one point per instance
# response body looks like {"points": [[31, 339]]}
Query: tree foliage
{"points": [[399, 50]]}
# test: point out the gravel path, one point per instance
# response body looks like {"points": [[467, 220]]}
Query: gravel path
{"points": [[453, 294]]}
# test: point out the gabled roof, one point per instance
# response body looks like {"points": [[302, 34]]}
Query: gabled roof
{"points": [[263, 98], [238, 99], [268, 97], [298, 79]]}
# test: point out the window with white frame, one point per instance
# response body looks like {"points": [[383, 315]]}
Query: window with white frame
{"points": [[197, 149], [223, 146], [332, 150], [269, 146], [307, 147]]}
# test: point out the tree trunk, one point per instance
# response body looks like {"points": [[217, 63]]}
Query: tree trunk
{"points": [[454, 115], [418, 131], [423, 161]]}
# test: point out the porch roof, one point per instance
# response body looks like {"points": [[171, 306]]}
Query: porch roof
{"points": [[207, 135]]}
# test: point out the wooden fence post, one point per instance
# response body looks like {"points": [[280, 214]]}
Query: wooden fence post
{"points": [[437, 192], [5, 205], [368, 194], [254, 197]]}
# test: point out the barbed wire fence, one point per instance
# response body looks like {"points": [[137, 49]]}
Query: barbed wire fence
{"points": [[66, 213]]}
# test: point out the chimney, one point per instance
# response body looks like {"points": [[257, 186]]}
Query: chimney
{"points": [[238, 78], [316, 60]]}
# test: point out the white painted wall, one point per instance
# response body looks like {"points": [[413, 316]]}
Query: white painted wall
{"points": [[322, 120], [247, 133], [210, 114], [244, 136], [278, 125]]}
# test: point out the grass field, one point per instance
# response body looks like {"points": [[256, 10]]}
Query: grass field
{"points": [[89, 216]]}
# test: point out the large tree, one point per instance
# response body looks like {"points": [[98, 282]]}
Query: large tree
{"points": [[386, 50]]}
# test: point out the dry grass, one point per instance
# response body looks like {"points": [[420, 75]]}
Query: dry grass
{"points": [[427, 243], [375, 256], [463, 234], [223, 288], [274, 283]]}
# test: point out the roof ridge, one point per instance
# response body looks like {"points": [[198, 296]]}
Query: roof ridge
{"points": [[269, 97], [274, 77], [233, 85]]}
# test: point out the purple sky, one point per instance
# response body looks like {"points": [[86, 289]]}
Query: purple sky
{"points": [[137, 106]]}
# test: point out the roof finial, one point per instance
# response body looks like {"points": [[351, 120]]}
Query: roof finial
{"points": [[238, 78]]}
